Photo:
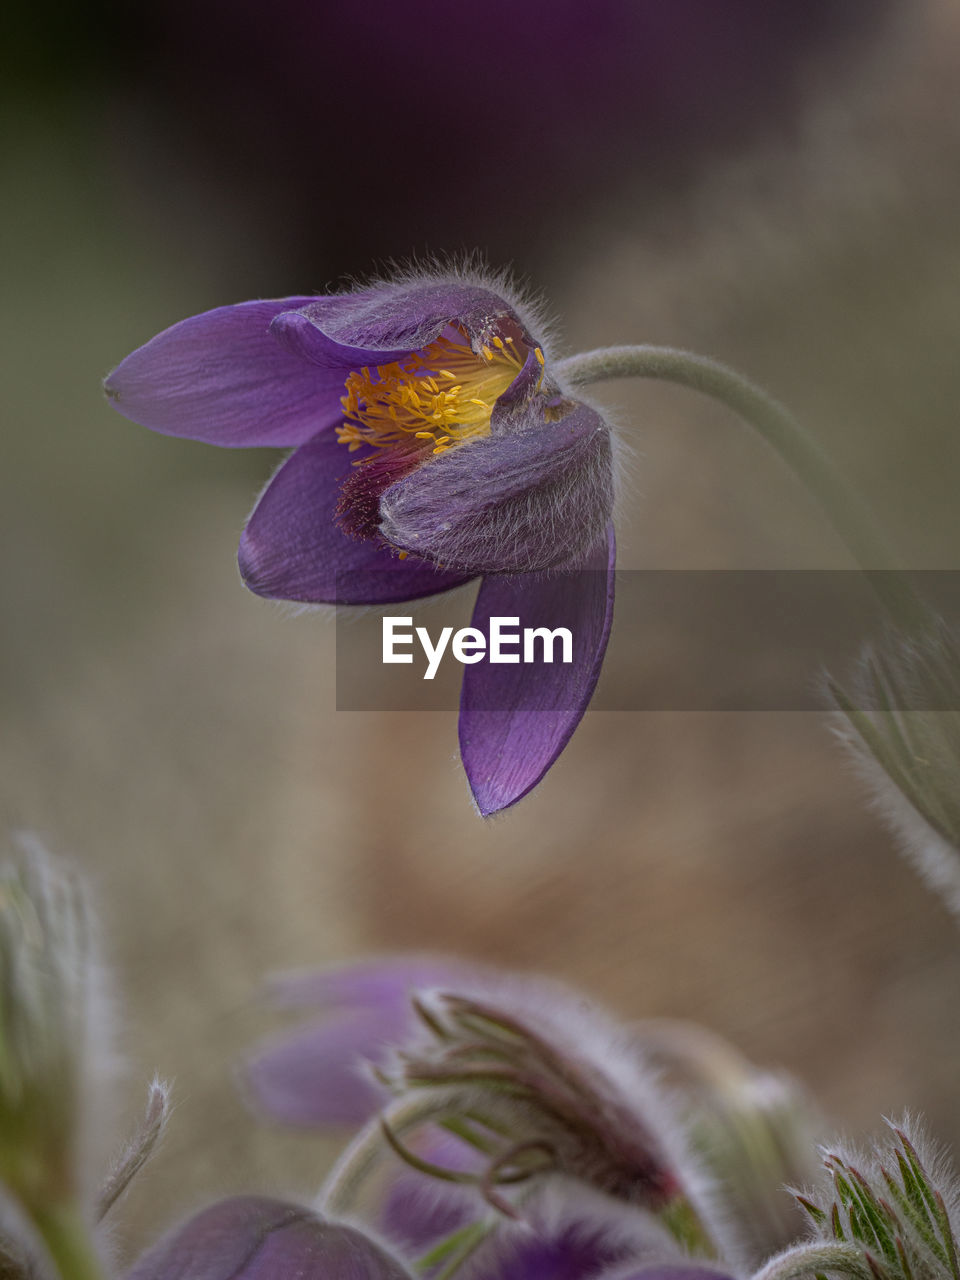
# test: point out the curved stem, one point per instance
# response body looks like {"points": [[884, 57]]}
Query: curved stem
{"points": [[364, 1153], [842, 504], [813, 1259]]}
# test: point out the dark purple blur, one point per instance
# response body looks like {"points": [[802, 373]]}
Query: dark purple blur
{"points": [[385, 128]]}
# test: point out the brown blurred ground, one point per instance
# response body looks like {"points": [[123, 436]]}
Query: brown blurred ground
{"points": [[177, 736]]}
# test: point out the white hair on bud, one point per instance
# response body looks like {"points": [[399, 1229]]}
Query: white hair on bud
{"points": [[607, 1051], [472, 268], [932, 856]]}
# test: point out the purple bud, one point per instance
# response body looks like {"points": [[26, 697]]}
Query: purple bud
{"points": [[255, 1238]]}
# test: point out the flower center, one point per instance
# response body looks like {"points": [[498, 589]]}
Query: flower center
{"points": [[434, 400]]}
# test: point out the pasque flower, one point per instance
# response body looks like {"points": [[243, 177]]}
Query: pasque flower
{"points": [[433, 443]]}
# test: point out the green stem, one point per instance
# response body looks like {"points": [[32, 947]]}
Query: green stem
{"points": [[809, 1259], [69, 1243], [842, 504], [364, 1153], [456, 1248]]}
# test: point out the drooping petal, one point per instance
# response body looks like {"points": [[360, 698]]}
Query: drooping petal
{"points": [[221, 377], [516, 718], [294, 549], [534, 497], [314, 1076], [389, 320], [255, 1238]]}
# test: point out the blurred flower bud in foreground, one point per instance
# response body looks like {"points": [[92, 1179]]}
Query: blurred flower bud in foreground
{"points": [[57, 1072], [55, 1036], [755, 1131], [255, 1238], [903, 722]]}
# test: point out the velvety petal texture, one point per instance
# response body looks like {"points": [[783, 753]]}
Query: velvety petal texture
{"points": [[516, 719], [315, 1076], [389, 320], [222, 378], [255, 1238], [521, 501], [294, 549]]}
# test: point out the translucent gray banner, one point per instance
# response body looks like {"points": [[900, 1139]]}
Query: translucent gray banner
{"points": [[713, 640]]}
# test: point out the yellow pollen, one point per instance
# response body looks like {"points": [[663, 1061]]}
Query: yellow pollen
{"points": [[433, 400]]}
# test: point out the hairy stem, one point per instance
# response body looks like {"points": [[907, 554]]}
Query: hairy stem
{"points": [[364, 1153], [842, 504], [810, 1259]]}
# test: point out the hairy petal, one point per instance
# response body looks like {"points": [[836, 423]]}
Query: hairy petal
{"points": [[255, 1238], [294, 549], [222, 378], [387, 321], [516, 719], [520, 501]]}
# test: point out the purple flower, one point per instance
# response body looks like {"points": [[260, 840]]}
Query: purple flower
{"points": [[255, 1238], [433, 444]]}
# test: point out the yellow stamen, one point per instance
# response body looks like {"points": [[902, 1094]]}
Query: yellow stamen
{"points": [[439, 397]]}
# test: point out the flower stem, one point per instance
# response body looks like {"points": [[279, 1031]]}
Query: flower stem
{"points": [[842, 504], [812, 1259], [68, 1242], [363, 1154]]}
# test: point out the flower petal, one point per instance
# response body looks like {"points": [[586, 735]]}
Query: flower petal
{"points": [[388, 321], [255, 1238], [314, 1076], [516, 719], [294, 549], [530, 498], [222, 378]]}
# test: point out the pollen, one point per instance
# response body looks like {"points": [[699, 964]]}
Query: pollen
{"points": [[432, 401]]}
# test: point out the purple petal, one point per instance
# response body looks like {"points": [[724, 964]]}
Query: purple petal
{"points": [[417, 1213], [314, 1076], [222, 378], [516, 719], [382, 985], [388, 321], [294, 549], [527, 499], [254, 1238]]}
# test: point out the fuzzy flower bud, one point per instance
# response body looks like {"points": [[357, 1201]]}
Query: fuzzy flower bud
{"points": [[903, 722], [755, 1132], [534, 1098], [49, 1006], [889, 1215]]}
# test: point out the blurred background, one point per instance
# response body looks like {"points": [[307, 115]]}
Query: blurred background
{"points": [[775, 185]]}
